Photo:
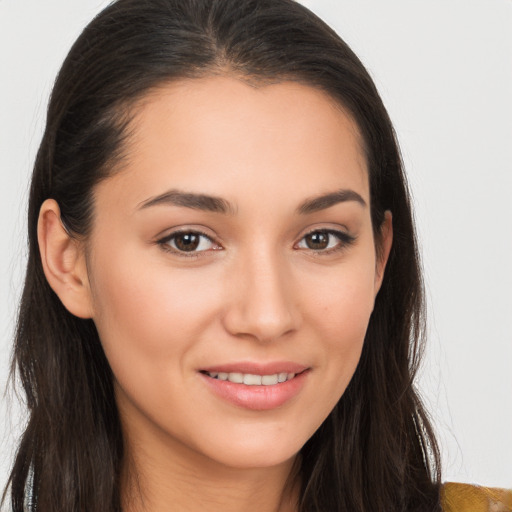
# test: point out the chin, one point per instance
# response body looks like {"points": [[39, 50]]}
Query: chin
{"points": [[252, 450], [264, 457]]}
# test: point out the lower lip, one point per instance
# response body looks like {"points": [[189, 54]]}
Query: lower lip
{"points": [[257, 398]]}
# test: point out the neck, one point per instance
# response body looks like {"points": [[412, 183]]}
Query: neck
{"points": [[172, 476]]}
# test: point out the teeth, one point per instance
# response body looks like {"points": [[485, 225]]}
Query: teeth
{"points": [[269, 380], [250, 379], [236, 377]]}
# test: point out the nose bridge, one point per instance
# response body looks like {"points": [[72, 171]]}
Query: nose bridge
{"points": [[262, 305]]}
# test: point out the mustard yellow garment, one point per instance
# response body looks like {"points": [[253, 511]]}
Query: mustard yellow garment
{"points": [[457, 497]]}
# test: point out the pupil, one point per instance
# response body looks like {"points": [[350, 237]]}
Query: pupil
{"points": [[187, 241], [317, 240]]}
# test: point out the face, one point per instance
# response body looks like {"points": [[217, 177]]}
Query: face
{"points": [[232, 268]]}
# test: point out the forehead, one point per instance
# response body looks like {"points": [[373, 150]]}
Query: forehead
{"points": [[223, 136]]}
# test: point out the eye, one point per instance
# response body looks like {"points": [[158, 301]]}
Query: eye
{"points": [[188, 242], [326, 240]]}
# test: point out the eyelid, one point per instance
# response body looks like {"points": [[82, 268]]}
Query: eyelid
{"points": [[163, 242], [345, 240]]}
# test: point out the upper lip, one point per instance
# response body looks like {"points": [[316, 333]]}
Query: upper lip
{"points": [[254, 368]]}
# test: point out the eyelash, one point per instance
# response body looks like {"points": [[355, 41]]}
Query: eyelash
{"points": [[344, 241], [164, 243]]}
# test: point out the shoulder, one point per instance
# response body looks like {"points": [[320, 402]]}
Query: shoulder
{"points": [[456, 497]]}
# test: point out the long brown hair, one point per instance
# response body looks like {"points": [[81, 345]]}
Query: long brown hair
{"points": [[376, 451]]}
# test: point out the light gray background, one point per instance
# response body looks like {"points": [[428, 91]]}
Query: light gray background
{"points": [[444, 69]]}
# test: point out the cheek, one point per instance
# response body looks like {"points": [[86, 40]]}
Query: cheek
{"points": [[148, 311], [342, 298], [339, 312]]}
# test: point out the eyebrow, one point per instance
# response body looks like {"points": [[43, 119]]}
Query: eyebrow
{"points": [[325, 201], [190, 200], [219, 205]]}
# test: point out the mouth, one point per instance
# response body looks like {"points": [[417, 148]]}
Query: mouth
{"points": [[251, 379], [256, 387]]}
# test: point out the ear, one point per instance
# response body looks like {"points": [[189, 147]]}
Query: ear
{"points": [[64, 262], [385, 243]]}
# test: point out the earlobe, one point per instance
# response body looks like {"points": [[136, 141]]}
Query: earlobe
{"points": [[385, 243], [63, 261]]}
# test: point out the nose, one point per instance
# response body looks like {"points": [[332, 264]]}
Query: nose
{"points": [[262, 305]]}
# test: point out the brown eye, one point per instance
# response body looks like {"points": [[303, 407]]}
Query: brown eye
{"points": [[325, 241], [188, 241], [317, 240]]}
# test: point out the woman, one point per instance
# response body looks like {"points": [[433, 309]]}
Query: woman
{"points": [[223, 303]]}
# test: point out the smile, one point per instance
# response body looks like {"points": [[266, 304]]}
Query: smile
{"points": [[250, 379]]}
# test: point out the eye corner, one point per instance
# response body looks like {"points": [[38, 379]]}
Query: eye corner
{"points": [[188, 243], [328, 240]]}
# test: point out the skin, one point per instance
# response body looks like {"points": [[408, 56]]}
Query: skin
{"points": [[254, 292]]}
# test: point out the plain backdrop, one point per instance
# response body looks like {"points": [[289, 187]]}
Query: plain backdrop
{"points": [[444, 69]]}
